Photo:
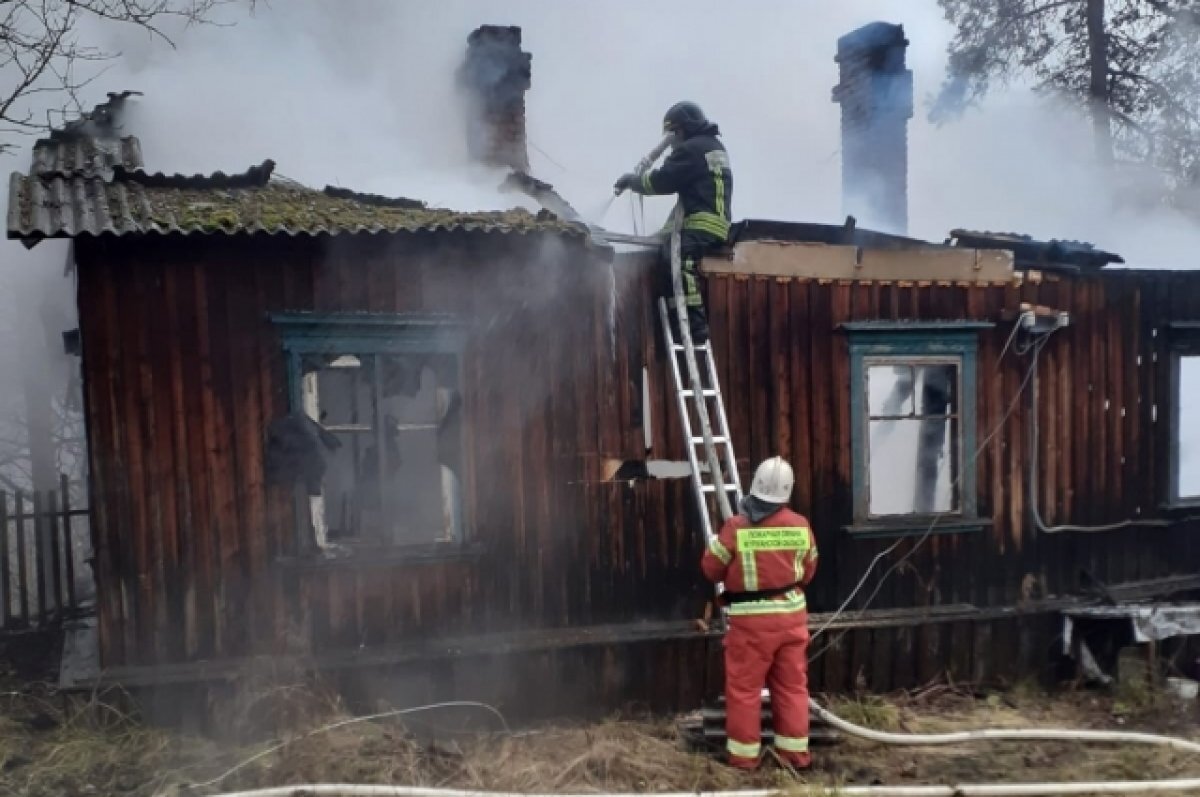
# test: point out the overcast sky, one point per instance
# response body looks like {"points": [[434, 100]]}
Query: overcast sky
{"points": [[359, 93]]}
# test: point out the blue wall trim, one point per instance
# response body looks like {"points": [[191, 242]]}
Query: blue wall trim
{"points": [[870, 340]]}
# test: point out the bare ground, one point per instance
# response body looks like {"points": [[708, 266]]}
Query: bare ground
{"points": [[52, 745]]}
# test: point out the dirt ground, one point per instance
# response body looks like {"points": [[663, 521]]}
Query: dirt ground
{"points": [[52, 745]]}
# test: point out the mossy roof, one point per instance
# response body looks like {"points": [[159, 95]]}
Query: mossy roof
{"points": [[70, 206]]}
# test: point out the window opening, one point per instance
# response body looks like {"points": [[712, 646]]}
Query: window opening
{"points": [[913, 420], [391, 395], [1187, 442], [914, 439]]}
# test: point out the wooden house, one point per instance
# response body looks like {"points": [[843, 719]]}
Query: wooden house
{"points": [[490, 503]]}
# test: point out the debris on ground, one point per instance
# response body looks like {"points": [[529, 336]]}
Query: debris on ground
{"points": [[51, 744]]}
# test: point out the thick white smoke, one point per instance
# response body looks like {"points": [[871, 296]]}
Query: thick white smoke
{"points": [[360, 94]]}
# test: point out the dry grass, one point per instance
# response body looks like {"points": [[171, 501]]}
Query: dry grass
{"points": [[55, 745], [869, 711], [624, 756], [90, 746]]}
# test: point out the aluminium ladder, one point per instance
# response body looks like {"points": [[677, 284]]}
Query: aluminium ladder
{"points": [[701, 388], [709, 731]]}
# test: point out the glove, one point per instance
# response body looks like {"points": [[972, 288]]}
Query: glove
{"points": [[626, 181]]}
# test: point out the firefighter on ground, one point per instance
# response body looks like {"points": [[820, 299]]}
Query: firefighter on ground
{"points": [[766, 555], [698, 171]]}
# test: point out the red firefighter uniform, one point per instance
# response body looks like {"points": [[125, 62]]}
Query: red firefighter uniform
{"points": [[765, 567]]}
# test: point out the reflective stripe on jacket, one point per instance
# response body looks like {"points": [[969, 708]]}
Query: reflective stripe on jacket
{"points": [[778, 552]]}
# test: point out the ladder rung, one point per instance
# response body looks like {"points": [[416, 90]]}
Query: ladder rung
{"points": [[681, 347], [696, 441], [689, 393], [712, 488]]}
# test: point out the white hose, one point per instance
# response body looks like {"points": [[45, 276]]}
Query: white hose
{"points": [[1040, 789], [960, 790], [1004, 735]]}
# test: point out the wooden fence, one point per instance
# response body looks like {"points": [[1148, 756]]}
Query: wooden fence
{"points": [[45, 545]]}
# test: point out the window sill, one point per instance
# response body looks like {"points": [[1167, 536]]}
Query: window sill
{"points": [[1180, 507], [367, 556], [916, 527]]}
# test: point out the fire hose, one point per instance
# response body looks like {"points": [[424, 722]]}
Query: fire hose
{"points": [[653, 155], [960, 790], [1037, 789]]}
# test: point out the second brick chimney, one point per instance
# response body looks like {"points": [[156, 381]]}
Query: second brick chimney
{"points": [[876, 95], [495, 75]]}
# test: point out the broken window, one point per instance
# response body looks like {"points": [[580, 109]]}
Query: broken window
{"points": [[391, 395], [914, 445], [913, 407]]}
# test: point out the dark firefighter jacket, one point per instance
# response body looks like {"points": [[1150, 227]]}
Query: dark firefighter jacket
{"points": [[698, 171]]}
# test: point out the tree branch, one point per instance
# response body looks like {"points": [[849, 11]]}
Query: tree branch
{"points": [[41, 54]]}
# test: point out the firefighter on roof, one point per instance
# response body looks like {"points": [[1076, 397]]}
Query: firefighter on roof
{"points": [[766, 555], [698, 171]]}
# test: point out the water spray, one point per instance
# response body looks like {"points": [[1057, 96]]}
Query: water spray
{"points": [[596, 215]]}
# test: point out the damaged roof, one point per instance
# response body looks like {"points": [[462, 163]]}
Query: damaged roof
{"points": [[848, 234], [251, 202], [1053, 255], [1030, 253], [87, 180], [91, 145]]}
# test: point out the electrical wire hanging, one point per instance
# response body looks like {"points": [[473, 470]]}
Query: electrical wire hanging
{"points": [[1031, 481], [920, 541]]}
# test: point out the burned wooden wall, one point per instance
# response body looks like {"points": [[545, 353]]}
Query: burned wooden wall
{"points": [[196, 555], [1103, 408]]}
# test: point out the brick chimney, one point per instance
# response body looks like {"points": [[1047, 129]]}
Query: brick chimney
{"points": [[876, 94], [495, 75]]}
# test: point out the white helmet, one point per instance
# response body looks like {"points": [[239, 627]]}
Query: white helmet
{"points": [[773, 481]]}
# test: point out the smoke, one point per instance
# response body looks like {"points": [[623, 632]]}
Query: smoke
{"points": [[361, 95], [36, 305]]}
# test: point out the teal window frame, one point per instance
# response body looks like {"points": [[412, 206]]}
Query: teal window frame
{"points": [[369, 334], [871, 342]]}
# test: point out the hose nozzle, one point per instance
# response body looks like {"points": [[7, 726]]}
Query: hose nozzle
{"points": [[653, 155]]}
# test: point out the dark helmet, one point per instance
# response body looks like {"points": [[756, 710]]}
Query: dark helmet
{"points": [[686, 118]]}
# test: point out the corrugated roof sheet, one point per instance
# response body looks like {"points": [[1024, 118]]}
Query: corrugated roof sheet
{"points": [[133, 203], [255, 176], [90, 146], [86, 179], [87, 157]]}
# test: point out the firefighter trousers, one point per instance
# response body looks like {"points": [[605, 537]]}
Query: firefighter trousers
{"points": [[694, 245], [758, 655]]}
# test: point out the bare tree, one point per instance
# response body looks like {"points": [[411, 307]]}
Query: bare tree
{"points": [[1134, 64], [42, 51]]}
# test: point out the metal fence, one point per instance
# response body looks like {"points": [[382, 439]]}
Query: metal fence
{"points": [[45, 548]]}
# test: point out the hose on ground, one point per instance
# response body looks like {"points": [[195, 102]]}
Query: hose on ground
{"points": [[1004, 735], [960, 790], [1039, 789]]}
